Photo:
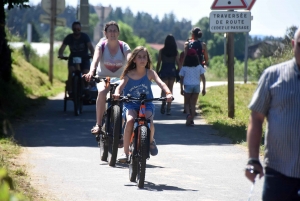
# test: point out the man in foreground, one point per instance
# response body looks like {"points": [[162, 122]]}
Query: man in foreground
{"points": [[277, 98]]}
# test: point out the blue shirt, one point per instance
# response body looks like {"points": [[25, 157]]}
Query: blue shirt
{"points": [[135, 88]]}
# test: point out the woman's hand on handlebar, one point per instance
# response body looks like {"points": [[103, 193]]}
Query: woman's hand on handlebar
{"points": [[88, 76], [169, 98]]}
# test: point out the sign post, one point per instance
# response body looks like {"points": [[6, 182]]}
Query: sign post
{"points": [[250, 3], [229, 22], [102, 13], [52, 8]]}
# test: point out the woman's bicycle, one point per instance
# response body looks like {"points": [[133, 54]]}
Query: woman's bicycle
{"points": [[79, 91], [139, 149], [111, 134]]}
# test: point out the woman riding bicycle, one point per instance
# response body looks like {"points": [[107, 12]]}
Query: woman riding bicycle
{"points": [[109, 59], [136, 79]]}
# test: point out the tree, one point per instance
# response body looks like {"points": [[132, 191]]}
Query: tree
{"points": [[61, 32], [5, 52]]}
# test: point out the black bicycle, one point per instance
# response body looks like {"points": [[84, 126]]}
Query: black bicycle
{"points": [[139, 149], [109, 138], [80, 94]]}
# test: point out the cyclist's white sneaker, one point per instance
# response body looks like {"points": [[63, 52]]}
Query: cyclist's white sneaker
{"points": [[123, 158]]}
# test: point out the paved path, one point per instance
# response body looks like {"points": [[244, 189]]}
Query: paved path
{"points": [[193, 162]]}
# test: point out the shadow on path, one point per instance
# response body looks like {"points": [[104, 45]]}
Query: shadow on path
{"points": [[53, 127]]}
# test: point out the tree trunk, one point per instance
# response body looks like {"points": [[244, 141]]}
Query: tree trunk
{"points": [[5, 52]]}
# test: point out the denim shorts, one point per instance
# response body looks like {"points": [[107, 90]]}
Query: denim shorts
{"points": [[136, 107], [192, 88]]}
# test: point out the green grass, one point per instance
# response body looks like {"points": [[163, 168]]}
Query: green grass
{"points": [[27, 90], [214, 106]]}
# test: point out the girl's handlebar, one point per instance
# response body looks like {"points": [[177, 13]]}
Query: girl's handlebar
{"points": [[129, 98]]}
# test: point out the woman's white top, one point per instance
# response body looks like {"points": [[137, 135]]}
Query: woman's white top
{"points": [[112, 66]]}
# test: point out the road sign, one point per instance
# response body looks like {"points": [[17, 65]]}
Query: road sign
{"points": [[60, 6], [102, 11], [229, 5], [250, 3], [47, 20], [229, 21]]}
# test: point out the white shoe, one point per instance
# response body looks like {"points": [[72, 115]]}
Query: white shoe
{"points": [[123, 158]]}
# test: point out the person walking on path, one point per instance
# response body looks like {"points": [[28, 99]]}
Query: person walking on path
{"points": [[110, 58], [195, 43], [168, 58], [190, 74], [277, 99], [135, 80]]}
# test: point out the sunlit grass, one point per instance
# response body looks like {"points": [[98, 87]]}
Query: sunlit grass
{"points": [[214, 106]]}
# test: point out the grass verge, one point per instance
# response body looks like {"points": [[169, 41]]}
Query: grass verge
{"points": [[214, 106], [27, 90]]}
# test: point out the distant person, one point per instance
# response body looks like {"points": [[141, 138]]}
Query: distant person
{"points": [[191, 73], [168, 58], [136, 79], [109, 60], [277, 99], [79, 44], [195, 43]]}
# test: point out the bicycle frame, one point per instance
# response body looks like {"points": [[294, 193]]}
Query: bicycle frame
{"points": [[138, 122]]}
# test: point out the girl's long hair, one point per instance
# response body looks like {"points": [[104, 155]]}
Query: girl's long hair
{"points": [[131, 65], [170, 47]]}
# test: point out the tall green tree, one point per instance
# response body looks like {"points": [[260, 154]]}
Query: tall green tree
{"points": [[5, 52]]}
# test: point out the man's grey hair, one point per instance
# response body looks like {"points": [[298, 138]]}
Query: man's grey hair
{"points": [[297, 32]]}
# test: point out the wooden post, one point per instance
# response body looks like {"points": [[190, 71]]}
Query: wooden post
{"points": [[52, 27], [230, 70], [246, 58]]}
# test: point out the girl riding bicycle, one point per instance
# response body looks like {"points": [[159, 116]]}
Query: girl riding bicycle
{"points": [[136, 79]]}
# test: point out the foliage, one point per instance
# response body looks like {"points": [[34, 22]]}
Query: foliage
{"points": [[6, 185], [93, 20], [61, 32], [13, 3], [127, 35], [215, 110]]}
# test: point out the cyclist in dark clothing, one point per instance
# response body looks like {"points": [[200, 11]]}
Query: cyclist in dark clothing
{"points": [[79, 44]]}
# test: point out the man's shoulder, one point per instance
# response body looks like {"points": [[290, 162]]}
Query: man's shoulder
{"points": [[283, 65]]}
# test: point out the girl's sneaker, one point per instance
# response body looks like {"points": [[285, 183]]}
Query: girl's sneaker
{"points": [[153, 148], [168, 111]]}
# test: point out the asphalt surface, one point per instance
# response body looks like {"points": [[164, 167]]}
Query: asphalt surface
{"points": [[193, 163]]}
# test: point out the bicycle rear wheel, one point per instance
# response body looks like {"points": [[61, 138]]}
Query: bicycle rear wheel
{"points": [[65, 98], [115, 131], [143, 153]]}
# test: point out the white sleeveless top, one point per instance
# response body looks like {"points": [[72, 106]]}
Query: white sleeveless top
{"points": [[112, 66]]}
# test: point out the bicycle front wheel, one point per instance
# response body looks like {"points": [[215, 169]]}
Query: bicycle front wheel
{"points": [[115, 130], [133, 165], [102, 142], [143, 155]]}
